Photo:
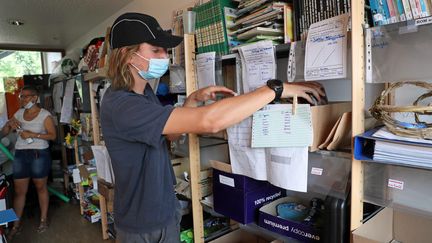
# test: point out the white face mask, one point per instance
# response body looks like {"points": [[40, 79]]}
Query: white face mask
{"points": [[29, 105]]}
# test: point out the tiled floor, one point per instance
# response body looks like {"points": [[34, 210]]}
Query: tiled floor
{"points": [[66, 225]]}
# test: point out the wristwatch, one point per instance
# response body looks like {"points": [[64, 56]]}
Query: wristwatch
{"points": [[277, 86]]}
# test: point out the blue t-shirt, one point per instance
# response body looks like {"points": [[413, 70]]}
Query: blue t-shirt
{"points": [[132, 126]]}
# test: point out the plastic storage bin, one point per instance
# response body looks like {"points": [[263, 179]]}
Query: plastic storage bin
{"points": [[329, 172], [403, 188]]}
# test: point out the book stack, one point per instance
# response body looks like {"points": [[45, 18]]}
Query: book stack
{"points": [[307, 12], [260, 20], [393, 11]]}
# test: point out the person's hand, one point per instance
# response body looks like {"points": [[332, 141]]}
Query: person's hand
{"points": [[13, 123], [26, 134], [304, 90], [209, 93]]}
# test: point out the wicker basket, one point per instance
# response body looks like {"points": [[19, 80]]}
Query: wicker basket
{"points": [[383, 112]]}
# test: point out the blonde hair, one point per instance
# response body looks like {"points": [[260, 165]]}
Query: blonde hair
{"points": [[118, 67]]}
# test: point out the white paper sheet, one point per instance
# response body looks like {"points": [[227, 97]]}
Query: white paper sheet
{"points": [[244, 159], [385, 133], [288, 168], [67, 107], [276, 126], [258, 64], [103, 163], [205, 63], [283, 167], [326, 49]]}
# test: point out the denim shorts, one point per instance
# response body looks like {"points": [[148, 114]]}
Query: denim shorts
{"points": [[31, 163]]}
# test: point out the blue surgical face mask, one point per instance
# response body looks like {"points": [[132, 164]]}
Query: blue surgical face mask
{"points": [[156, 68], [29, 105]]}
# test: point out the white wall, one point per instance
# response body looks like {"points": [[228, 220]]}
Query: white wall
{"points": [[161, 9]]}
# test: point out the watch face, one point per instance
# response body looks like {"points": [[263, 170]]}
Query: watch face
{"points": [[274, 83]]}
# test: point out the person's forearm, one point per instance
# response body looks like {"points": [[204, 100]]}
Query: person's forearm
{"points": [[230, 111], [6, 129], [47, 136]]}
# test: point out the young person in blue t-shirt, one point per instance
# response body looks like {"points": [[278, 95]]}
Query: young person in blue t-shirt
{"points": [[135, 126]]}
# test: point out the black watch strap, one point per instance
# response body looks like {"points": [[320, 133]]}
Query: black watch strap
{"points": [[277, 86]]}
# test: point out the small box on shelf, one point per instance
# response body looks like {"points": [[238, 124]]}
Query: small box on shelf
{"points": [[239, 197], [269, 219]]}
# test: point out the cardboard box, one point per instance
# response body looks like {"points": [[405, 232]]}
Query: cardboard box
{"points": [[390, 224], [240, 236], [239, 197], [107, 191], [268, 219], [324, 118]]}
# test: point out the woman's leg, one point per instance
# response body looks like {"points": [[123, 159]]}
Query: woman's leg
{"points": [[20, 188], [41, 166], [21, 175], [43, 196]]}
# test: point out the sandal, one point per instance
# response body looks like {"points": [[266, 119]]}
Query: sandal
{"points": [[43, 225], [15, 230]]}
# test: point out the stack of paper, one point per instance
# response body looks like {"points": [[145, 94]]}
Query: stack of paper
{"points": [[402, 150]]}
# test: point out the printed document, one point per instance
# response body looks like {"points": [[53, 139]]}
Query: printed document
{"points": [[276, 126], [66, 110], [103, 163], [283, 167], [288, 168], [258, 64], [205, 64], [326, 49], [244, 159]]}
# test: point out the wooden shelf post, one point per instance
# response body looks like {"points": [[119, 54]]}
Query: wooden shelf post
{"points": [[194, 153], [358, 107]]}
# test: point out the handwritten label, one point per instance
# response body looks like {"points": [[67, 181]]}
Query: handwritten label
{"points": [[395, 184]]}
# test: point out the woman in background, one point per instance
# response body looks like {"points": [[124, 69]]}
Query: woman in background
{"points": [[35, 127]]}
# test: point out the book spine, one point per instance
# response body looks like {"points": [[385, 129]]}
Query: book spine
{"points": [[429, 6], [407, 9], [400, 9], [302, 16], [392, 11], [377, 15], [419, 9], [414, 10], [315, 11], [333, 8], [321, 9], [348, 6], [296, 20], [424, 8], [327, 9], [382, 4]]}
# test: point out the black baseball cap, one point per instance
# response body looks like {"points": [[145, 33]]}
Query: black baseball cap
{"points": [[136, 28]]}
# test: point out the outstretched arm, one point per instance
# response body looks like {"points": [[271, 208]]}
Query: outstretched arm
{"points": [[199, 96], [227, 112]]}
